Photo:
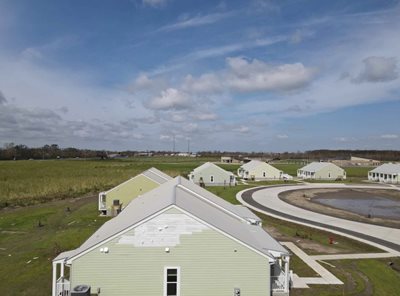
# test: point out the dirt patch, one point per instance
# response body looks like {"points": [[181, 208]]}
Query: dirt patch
{"points": [[304, 199], [307, 245]]}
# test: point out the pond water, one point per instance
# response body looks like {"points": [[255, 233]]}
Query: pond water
{"points": [[375, 206]]}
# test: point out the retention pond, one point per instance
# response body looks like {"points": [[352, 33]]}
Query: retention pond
{"points": [[362, 203]]}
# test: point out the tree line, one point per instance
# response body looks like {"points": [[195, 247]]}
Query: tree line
{"points": [[11, 151]]}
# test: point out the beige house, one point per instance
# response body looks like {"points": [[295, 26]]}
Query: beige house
{"points": [[386, 173], [321, 171], [259, 170]]}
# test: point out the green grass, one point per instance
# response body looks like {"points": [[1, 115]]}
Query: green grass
{"points": [[361, 277], [22, 240], [32, 181]]}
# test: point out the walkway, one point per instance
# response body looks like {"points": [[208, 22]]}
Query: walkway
{"points": [[266, 200]]}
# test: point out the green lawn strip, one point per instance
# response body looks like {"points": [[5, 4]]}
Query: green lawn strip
{"points": [[296, 231], [300, 268]]}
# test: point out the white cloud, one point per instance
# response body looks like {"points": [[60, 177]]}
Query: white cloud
{"points": [[390, 136], [249, 76], [241, 129], [144, 83], [154, 3], [206, 116], [196, 21], [282, 136], [378, 69], [170, 98], [242, 75]]}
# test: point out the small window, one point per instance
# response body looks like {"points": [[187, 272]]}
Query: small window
{"points": [[171, 287], [212, 179], [264, 174]]}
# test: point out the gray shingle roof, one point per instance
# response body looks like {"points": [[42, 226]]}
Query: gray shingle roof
{"points": [[387, 168], [316, 166], [210, 164], [192, 198], [255, 163]]}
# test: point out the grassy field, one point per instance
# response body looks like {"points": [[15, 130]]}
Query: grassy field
{"points": [[32, 236], [32, 181]]}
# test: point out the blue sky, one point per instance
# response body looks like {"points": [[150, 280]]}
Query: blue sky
{"points": [[254, 75]]}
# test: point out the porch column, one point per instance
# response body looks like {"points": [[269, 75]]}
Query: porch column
{"points": [[287, 274], [54, 284], [62, 270]]}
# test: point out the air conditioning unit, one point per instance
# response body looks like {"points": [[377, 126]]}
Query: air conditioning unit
{"points": [[81, 290]]}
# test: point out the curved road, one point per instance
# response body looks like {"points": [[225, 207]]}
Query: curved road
{"points": [[266, 200]]}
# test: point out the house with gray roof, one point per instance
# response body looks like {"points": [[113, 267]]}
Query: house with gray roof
{"points": [[209, 174], [321, 171], [177, 239], [259, 170], [113, 201], [386, 173]]}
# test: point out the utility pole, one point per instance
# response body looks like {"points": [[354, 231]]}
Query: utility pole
{"points": [[173, 147], [188, 145]]}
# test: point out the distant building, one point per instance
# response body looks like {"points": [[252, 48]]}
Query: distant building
{"points": [[229, 159], [226, 159], [113, 201], [321, 171], [386, 173], [259, 170], [209, 174], [177, 239], [364, 161]]}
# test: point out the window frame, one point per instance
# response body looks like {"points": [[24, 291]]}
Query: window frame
{"points": [[212, 179], [178, 279]]}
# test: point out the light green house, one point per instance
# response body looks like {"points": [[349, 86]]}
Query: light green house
{"points": [[321, 171], [259, 170], [113, 201], [210, 174], [177, 240]]}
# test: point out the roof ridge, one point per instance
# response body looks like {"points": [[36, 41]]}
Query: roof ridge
{"points": [[208, 201]]}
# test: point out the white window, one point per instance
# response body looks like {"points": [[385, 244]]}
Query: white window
{"points": [[264, 174], [212, 179], [171, 281]]}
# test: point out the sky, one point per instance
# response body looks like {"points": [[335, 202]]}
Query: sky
{"points": [[254, 75]]}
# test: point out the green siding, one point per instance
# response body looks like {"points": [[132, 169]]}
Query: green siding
{"points": [[208, 261], [271, 172], [334, 171], [220, 177], [129, 190]]}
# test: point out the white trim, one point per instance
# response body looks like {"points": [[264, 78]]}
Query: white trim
{"points": [[213, 203], [69, 260], [178, 280]]}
